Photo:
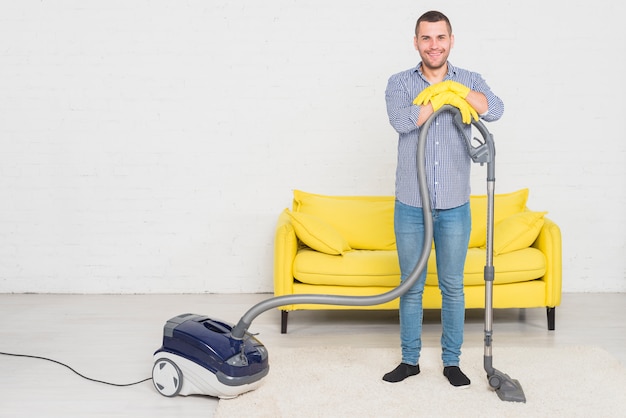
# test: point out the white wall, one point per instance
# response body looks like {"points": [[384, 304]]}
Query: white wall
{"points": [[148, 146]]}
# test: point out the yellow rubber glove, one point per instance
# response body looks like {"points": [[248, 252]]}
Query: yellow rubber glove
{"points": [[438, 88], [461, 90], [448, 97]]}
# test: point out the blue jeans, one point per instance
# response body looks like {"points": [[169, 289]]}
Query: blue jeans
{"points": [[451, 231]]}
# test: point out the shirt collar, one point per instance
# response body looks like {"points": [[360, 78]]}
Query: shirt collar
{"points": [[451, 71]]}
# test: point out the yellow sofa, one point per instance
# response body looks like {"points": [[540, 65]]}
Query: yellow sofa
{"points": [[345, 245]]}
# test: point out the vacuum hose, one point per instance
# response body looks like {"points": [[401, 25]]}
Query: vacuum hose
{"points": [[242, 326]]}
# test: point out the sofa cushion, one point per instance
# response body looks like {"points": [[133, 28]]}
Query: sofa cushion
{"points": [[381, 268], [317, 234], [517, 231], [505, 205], [366, 222], [355, 268], [514, 267]]}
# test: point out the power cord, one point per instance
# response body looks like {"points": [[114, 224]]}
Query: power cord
{"points": [[81, 375]]}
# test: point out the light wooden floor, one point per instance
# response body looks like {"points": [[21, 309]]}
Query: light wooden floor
{"points": [[113, 337]]}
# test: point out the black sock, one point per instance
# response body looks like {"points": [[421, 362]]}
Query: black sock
{"points": [[401, 372], [455, 376]]}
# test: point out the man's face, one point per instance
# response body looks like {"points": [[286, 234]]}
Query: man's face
{"points": [[433, 42]]}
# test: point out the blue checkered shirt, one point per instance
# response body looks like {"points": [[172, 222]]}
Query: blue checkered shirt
{"points": [[448, 163]]}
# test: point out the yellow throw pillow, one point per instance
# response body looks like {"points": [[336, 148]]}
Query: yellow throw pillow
{"points": [[505, 205], [317, 234], [365, 222], [517, 231]]}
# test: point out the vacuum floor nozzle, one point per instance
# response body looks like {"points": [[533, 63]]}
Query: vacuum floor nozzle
{"points": [[506, 388]]}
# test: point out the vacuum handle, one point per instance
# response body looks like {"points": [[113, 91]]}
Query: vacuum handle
{"points": [[480, 150]]}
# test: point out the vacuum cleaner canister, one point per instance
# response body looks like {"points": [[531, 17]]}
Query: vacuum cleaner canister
{"points": [[200, 357]]}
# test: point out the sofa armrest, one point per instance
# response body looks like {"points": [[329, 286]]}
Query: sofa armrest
{"points": [[285, 249], [549, 243]]}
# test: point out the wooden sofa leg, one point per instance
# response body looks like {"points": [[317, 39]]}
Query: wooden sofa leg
{"points": [[284, 315], [551, 317]]}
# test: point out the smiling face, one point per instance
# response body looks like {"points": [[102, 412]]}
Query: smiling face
{"points": [[433, 41]]}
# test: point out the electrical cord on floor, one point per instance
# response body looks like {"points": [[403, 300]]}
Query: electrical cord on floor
{"points": [[81, 375]]}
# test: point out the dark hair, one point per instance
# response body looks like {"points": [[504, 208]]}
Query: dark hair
{"points": [[433, 16]]}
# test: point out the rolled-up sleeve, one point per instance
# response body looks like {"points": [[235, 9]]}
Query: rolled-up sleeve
{"points": [[495, 106], [403, 114]]}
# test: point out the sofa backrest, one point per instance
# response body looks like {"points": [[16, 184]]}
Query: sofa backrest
{"points": [[366, 222]]}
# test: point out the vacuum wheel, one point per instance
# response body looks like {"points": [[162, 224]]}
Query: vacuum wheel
{"points": [[167, 377], [494, 382]]}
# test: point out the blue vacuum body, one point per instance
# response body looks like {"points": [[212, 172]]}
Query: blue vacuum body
{"points": [[199, 355]]}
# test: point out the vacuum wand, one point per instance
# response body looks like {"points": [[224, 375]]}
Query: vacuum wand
{"points": [[484, 152]]}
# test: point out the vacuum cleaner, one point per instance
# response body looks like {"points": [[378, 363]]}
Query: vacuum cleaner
{"points": [[207, 356]]}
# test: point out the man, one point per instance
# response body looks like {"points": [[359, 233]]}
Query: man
{"points": [[412, 96]]}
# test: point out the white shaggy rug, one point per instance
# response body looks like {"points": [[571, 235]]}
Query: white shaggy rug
{"points": [[335, 382]]}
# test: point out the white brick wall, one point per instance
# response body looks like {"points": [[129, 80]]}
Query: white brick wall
{"points": [[148, 146]]}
